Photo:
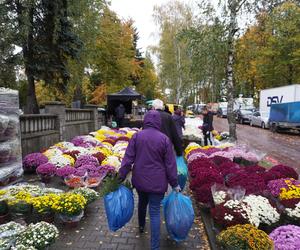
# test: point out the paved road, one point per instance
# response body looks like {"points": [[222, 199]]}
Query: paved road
{"points": [[283, 147]]}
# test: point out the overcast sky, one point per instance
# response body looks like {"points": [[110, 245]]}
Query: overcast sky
{"points": [[141, 12]]}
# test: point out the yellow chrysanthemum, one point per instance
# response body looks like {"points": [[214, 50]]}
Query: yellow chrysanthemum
{"points": [[241, 236], [292, 192], [44, 203], [70, 158], [69, 203]]}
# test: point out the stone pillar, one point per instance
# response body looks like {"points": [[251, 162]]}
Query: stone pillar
{"points": [[59, 109], [95, 115]]}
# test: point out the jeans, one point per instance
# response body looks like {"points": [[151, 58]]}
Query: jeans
{"points": [[154, 201], [207, 137]]}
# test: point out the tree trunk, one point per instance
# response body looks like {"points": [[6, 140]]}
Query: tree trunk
{"points": [[31, 106], [230, 72]]}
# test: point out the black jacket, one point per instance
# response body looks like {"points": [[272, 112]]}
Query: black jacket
{"points": [[208, 122], [120, 112], [168, 127]]}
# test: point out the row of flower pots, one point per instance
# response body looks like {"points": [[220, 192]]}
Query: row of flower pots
{"points": [[252, 206]]}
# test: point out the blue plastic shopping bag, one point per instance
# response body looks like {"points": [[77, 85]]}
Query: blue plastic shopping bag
{"points": [[119, 206], [182, 171], [179, 215]]}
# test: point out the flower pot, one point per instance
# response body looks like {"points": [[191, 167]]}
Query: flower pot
{"points": [[31, 170], [47, 217], [71, 221], [21, 211], [45, 178], [4, 218]]}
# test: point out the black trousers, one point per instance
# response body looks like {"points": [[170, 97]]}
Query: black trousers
{"points": [[120, 122], [207, 138]]}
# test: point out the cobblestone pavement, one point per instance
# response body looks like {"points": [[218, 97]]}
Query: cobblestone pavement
{"points": [[92, 233]]}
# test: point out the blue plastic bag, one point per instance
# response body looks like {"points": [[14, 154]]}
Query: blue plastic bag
{"points": [[119, 206], [179, 215], [182, 171]]}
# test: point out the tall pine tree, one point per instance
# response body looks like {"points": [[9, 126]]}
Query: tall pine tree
{"points": [[43, 30]]}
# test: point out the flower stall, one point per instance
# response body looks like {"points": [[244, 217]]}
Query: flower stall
{"points": [[79, 165], [251, 206], [84, 161]]}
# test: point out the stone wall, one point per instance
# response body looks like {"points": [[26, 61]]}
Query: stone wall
{"points": [[39, 132]]}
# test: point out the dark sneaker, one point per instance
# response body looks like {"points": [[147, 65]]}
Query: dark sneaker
{"points": [[141, 230]]}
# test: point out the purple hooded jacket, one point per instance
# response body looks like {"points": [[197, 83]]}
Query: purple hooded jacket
{"points": [[151, 158]]}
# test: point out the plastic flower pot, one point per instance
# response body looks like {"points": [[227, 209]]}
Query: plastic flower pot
{"points": [[4, 218], [4, 213], [29, 170], [21, 209], [74, 181], [45, 178], [71, 221], [46, 216], [92, 182]]}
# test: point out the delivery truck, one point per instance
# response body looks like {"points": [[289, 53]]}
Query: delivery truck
{"points": [[285, 94], [285, 116]]}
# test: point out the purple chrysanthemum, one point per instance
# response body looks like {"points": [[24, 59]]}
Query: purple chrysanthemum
{"points": [[46, 169], [86, 160], [32, 161]]}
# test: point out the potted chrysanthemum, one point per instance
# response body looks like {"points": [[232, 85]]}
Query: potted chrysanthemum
{"points": [[70, 207], [20, 204], [43, 207], [46, 172], [37, 236], [32, 161], [3, 207]]}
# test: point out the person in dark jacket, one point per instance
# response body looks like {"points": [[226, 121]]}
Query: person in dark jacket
{"points": [[167, 109], [207, 126], [120, 115], [168, 126], [150, 157], [179, 120]]}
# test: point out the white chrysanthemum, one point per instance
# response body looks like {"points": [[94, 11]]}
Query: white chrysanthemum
{"points": [[294, 213], [112, 161], [261, 210], [53, 151], [60, 161], [219, 197], [63, 144]]}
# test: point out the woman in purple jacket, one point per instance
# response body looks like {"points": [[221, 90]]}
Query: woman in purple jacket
{"points": [[151, 158]]}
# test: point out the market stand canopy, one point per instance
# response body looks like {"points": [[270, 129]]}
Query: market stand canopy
{"points": [[125, 96]]}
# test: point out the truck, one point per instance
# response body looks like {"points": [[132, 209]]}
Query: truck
{"points": [[285, 94], [285, 116]]}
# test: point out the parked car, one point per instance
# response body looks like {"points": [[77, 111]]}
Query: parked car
{"points": [[260, 120], [222, 110], [243, 115], [198, 108]]}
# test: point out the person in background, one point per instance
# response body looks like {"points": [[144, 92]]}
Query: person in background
{"points": [[207, 126], [167, 109], [150, 157], [168, 126], [120, 115], [179, 121]]}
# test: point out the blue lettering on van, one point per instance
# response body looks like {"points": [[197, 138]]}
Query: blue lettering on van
{"points": [[273, 100]]}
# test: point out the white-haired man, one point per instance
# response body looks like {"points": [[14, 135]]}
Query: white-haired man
{"points": [[168, 126]]}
